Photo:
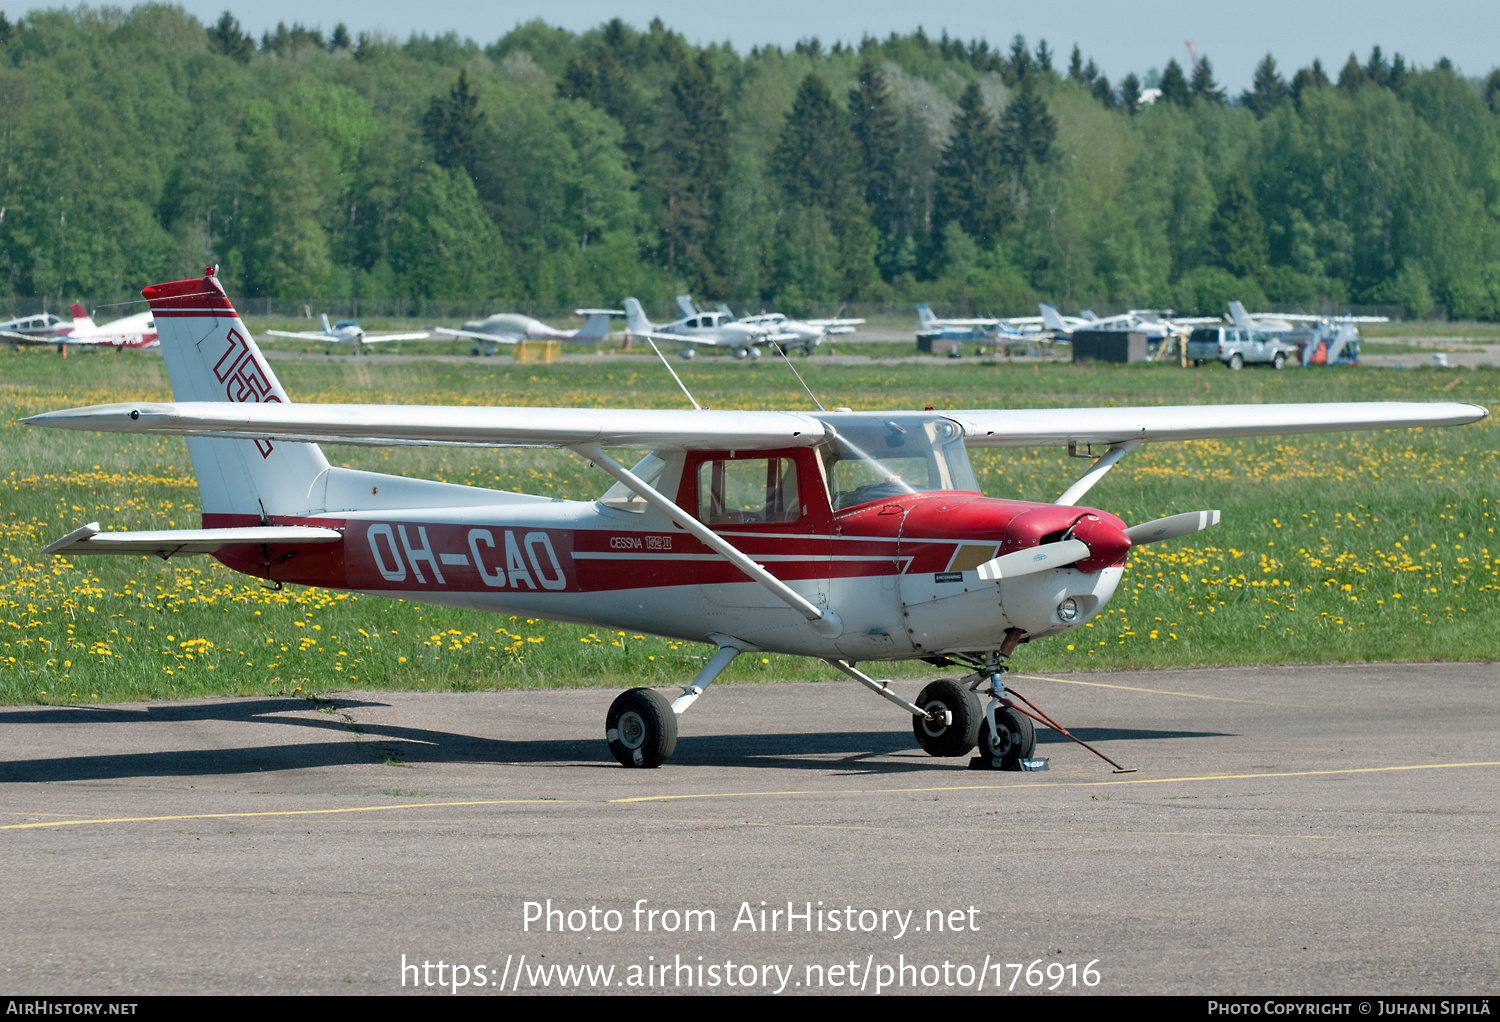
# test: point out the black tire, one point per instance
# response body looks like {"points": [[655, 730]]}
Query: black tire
{"points": [[1236, 361], [641, 728], [957, 738], [1016, 741], [1278, 360]]}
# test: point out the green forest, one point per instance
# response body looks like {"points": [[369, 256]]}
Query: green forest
{"points": [[556, 168]]}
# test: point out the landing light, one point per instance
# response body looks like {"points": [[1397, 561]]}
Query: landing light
{"points": [[1067, 610]]}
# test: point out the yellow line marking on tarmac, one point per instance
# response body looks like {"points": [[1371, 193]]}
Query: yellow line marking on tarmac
{"points": [[291, 812], [1026, 830], [743, 794], [1156, 691], [1062, 784]]}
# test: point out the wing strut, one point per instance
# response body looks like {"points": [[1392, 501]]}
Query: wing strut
{"points": [[1096, 472], [825, 622]]}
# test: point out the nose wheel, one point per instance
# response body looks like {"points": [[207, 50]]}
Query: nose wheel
{"points": [[1011, 740]]}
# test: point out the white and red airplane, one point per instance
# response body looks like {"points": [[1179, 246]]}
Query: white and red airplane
{"points": [[845, 536], [137, 331], [515, 328]]}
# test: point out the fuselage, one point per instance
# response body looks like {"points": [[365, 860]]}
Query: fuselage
{"points": [[900, 570]]}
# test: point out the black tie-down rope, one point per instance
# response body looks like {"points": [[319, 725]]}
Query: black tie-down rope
{"points": [[1042, 718]]}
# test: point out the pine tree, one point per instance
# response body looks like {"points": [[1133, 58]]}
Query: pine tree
{"points": [[340, 39], [816, 167], [1075, 65], [697, 151], [1174, 85], [1376, 69], [1019, 65], [1204, 86], [1028, 129], [969, 181], [1492, 91], [1104, 92], [1352, 77], [1130, 94], [873, 115], [226, 37], [1308, 78], [1043, 57], [452, 126], [1237, 234], [1267, 91]]}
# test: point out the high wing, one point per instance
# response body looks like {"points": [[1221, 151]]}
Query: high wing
{"points": [[1040, 426], [742, 430]]}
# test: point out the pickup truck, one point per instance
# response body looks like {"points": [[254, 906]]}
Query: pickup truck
{"points": [[1238, 348]]}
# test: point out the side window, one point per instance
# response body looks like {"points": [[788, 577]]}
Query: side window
{"points": [[748, 491]]}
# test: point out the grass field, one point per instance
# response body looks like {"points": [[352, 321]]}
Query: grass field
{"points": [[1334, 547]]}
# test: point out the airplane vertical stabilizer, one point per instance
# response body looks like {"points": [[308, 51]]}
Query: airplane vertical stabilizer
{"points": [[1050, 319], [81, 318], [925, 317], [594, 328], [685, 304], [635, 317], [211, 356], [1239, 316]]}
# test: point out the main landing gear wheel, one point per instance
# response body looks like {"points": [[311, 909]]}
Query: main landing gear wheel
{"points": [[948, 739], [1015, 741], [641, 728]]}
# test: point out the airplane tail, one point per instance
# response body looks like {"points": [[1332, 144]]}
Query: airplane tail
{"points": [[925, 317], [1088, 314], [81, 317], [685, 304], [594, 328], [728, 313], [211, 356], [326, 328], [1239, 316], [1050, 319], [635, 317]]}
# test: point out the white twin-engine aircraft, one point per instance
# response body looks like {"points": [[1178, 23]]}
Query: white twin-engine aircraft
{"points": [[845, 536]]}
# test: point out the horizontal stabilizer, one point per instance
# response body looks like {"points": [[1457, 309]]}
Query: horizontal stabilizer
{"points": [[172, 542], [1171, 527]]}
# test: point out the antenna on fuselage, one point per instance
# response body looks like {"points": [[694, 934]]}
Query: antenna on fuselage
{"points": [[696, 406], [800, 380]]}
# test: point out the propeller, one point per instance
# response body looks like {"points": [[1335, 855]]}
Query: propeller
{"points": [[1034, 559], [1069, 551], [1171, 527]]}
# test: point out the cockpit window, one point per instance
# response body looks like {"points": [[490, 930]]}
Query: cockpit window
{"points": [[874, 458]]}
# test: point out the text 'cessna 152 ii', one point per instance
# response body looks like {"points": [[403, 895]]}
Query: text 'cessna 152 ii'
{"points": [[845, 536]]}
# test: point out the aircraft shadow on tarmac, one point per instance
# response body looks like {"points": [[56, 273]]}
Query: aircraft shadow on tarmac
{"points": [[365, 743]]}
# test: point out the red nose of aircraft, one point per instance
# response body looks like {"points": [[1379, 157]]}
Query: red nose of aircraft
{"points": [[1015, 525]]}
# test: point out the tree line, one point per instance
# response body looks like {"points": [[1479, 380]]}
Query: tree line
{"points": [[563, 168]]}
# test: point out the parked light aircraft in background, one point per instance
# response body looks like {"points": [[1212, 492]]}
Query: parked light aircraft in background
{"points": [[1281, 323], [514, 328], [708, 329], [348, 331], [805, 333], [846, 536], [136, 331], [980, 329]]}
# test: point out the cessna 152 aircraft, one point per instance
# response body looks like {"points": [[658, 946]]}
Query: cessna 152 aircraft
{"points": [[513, 328], [348, 331], [846, 536]]}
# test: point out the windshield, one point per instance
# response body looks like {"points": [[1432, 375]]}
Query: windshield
{"points": [[877, 458]]}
